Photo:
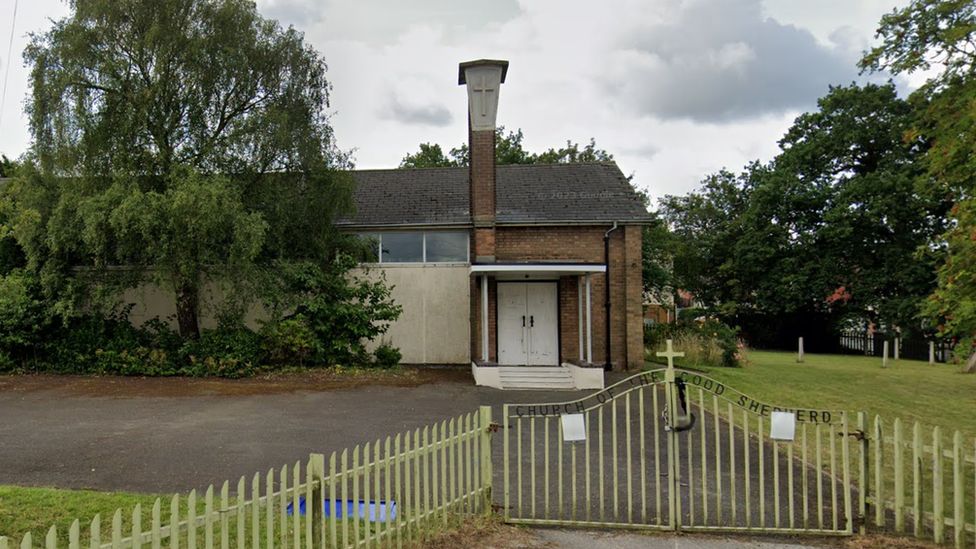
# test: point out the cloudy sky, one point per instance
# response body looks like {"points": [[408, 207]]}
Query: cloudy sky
{"points": [[675, 89]]}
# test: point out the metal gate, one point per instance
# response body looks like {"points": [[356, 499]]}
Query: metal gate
{"points": [[671, 449]]}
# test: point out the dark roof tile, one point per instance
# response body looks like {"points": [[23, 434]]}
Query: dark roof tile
{"points": [[537, 193]]}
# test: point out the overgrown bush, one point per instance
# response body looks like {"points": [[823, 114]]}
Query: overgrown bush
{"points": [[22, 316], [290, 341], [387, 356], [705, 342], [226, 352], [341, 310]]}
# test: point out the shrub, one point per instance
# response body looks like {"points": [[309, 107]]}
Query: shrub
{"points": [[705, 343], [22, 317], [343, 311], [290, 341], [226, 352], [387, 356]]}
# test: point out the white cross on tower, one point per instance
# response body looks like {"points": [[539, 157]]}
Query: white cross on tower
{"points": [[484, 89], [670, 354]]}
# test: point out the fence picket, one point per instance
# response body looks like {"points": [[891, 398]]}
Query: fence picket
{"points": [[917, 480], [958, 508], [191, 518], [241, 530], [137, 526], [269, 525], [898, 454], [365, 493], [116, 530], [95, 532], [333, 504], [283, 507], [224, 519], [878, 473], [296, 483], [256, 510], [174, 522], [51, 540], [157, 524], [27, 542], [440, 453], [938, 527], [208, 518], [74, 535]]}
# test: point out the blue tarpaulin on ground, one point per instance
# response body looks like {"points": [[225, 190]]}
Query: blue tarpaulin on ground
{"points": [[373, 511]]}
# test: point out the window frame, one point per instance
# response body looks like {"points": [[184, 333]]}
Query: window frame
{"points": [[378, 257]]}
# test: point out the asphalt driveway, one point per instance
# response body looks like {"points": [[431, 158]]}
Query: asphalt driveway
{"points": [[168, 435]]}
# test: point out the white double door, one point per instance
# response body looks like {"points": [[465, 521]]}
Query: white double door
{"points": [[528, 328]]}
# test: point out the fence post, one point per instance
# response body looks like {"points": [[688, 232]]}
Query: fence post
{"points": [[484, 423], [931, 352], [314, 510], [884, 354], [799, 355], [862, 476], [897, 347]]}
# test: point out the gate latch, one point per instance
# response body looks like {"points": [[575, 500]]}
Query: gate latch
{"points": [[857, 434], [494, 427]]}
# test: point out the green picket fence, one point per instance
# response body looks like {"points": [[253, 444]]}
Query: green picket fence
{"points": [[917, 481], [400, 488]]}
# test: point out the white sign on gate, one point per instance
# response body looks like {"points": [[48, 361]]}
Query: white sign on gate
{"points": [[573, 427], [782, 426]]}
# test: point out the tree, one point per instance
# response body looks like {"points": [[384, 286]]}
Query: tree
{"points": [[134, 102], [942, 34], [7, 166], [508, 150], [829, 229], [429, 156]]}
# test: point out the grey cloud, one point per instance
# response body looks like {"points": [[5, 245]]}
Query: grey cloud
{"points": [[427, 115], [382, 21], [721, 60]]}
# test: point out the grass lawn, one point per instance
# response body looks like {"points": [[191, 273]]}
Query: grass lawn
{"points": [[913, 390], [36, 509]]}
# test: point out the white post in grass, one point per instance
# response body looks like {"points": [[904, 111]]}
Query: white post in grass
{"points": [[799, 353], [884, 355], [897, 347], [931, 352]]}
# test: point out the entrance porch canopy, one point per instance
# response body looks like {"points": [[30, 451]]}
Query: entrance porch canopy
{"points": [[529, 271]]}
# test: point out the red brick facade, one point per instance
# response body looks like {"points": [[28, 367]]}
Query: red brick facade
{"points": [[570, 244]]}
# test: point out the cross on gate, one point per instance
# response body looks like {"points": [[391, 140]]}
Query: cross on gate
{"points": [[670, 354], [484, 89]]}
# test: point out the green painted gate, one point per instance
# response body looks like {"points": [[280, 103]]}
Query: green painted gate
{"points": [[671, 449]]}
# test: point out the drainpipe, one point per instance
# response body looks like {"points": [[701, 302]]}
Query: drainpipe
{"points": [[606, 288]]}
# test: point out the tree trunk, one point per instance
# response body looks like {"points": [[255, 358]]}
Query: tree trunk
{"points": [[970, 364], [187, 302]]}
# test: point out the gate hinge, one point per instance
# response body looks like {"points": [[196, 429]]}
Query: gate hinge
{"points": [[857, 434]]}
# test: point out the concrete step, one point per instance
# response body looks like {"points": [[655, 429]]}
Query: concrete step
{"points": [[527, 377]]}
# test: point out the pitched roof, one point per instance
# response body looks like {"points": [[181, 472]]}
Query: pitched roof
{"points": [[535, 193]]}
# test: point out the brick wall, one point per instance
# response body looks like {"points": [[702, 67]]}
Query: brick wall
{"points": [[580, 245]]}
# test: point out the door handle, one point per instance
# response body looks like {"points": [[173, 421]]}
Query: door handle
{"points": [[532, 322]]}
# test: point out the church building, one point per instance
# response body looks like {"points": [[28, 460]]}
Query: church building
{"points": [[530, 274]]}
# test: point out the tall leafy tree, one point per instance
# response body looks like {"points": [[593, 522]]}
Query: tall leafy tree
{"points": [[941, 35], [830, 228], [135, 105], [508, 150]]}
